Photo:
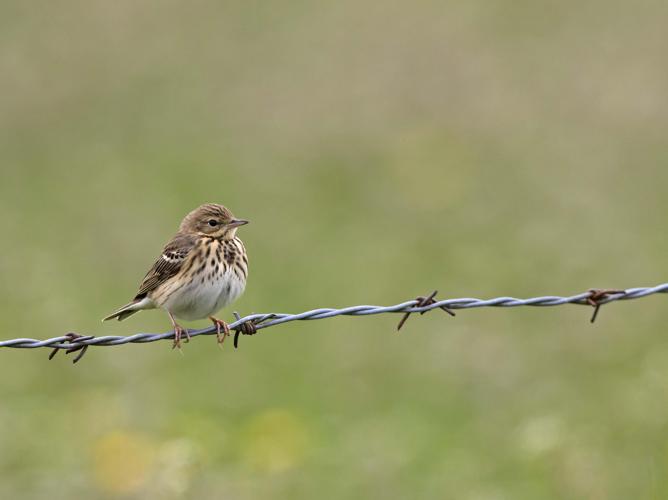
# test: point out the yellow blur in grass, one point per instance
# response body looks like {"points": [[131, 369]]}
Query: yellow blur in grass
{"points": [[275, 440], [122, 461]]}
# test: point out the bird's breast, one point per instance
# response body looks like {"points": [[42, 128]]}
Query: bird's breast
{"points": [[213, 284]]}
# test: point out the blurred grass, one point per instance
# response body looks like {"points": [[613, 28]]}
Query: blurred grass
{"points": [[380, 151]]}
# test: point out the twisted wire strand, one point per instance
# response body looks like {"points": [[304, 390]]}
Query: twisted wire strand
{"points": [[411, 306]]}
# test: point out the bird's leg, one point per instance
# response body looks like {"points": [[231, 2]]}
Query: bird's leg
{"points": [[222, 329], [178, 332]]}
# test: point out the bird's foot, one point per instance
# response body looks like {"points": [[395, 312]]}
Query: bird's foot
{"points": [[222, 329], [179, 332]]}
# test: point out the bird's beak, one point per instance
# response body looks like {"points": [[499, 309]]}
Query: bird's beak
{"points": [[237, 223]]}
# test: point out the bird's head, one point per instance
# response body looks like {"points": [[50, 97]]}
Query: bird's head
{"points": [[212, 220]]}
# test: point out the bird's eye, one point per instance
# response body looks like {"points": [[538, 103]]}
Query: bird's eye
{"points": [[213, 223]]}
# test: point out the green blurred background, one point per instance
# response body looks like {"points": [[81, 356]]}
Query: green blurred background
{"points": [[381, 150]]}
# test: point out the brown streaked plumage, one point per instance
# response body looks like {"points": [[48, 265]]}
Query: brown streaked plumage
{"points": [[202, 269]]}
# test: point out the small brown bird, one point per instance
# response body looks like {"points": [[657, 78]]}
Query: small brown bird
{"points": [[202, 269]]}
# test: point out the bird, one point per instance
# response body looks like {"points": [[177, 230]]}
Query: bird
{"points": [[202, 269]]}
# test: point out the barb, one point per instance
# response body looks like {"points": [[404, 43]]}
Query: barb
{"points": [[592, 297], [596, 298], [421, 302]]}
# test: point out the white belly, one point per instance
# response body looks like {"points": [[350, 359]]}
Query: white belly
{"points": [[200, 300]]}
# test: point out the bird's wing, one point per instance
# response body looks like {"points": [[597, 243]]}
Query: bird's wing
{"points": [[174, 255]]}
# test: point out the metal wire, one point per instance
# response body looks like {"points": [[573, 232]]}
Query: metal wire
{"points": [[593, 297]]}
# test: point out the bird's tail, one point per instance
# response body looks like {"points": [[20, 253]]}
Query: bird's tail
{"points": [[129, 309]]}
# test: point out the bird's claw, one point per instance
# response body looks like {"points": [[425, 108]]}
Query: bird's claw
{"points": [[222, 329], [179, 331]]}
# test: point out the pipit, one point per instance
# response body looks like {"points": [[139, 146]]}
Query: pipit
{"points": [[202, 269]]}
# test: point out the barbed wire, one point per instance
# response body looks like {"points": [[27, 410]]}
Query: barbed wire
{"points": [[594, 297]]}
